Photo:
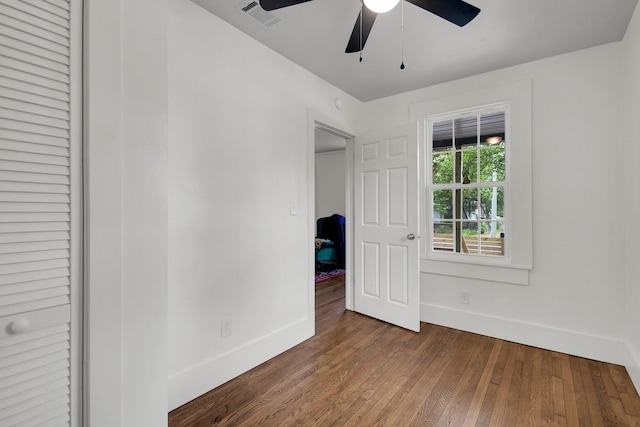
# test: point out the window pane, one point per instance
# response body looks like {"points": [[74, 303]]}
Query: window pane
{"points": [[442, 135], [442, 168], [443, 236], [492, 130], [443, 204], [492, 164], [491, 242], [469, 165], [457, 167], [469, 204], [469, 237], [492, 228], [492, 203], [497, 211], [466, 131]]}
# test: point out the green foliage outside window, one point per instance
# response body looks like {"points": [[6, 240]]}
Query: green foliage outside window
{"points": [[476, 161]]}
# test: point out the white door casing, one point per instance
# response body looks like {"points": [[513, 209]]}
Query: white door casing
{"points": [[386, 226]]}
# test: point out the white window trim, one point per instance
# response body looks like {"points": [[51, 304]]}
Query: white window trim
{"points": [[518, 260]]}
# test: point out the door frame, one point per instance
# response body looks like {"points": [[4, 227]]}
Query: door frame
{"points": [[319, 121]]}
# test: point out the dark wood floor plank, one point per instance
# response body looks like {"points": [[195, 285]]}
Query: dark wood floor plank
{"points": [[569, 394], [423, 401], [357, 371], [506, 399], [580, 386], [407, 370], [370, 389], [305, 389], [595, 409], [545, 395], [625, 391], [462, 385], [600, 377], [482, 390]]}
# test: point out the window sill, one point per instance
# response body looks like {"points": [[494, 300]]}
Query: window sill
{"points": [[518, 275]]}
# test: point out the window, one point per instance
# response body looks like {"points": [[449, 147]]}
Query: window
{"points": [[468, 181], [470, 169]]}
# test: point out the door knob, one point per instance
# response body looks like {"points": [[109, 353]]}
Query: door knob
{"points": [[411, 236], [19, 326]]}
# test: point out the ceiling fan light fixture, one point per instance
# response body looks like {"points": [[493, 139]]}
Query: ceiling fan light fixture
{"points": [[493, 140], [380, 6]]}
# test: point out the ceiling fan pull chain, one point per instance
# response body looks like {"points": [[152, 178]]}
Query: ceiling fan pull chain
{"points": [[402, 36]]}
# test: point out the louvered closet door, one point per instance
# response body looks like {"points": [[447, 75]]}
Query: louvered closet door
{"points": [[39, 216]]}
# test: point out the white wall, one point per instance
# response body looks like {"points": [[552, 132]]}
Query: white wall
{"points": [[632, 190], [330, 183], [126, 213], [240, 151], [576, 298]]}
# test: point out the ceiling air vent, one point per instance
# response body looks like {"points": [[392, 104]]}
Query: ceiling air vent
{"points": [[252, 9]]}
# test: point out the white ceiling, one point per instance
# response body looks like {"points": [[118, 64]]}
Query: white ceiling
{"points": [[505, 33]]}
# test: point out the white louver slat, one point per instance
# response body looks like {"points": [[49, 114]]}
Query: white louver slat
{"points": [[36, 213]]}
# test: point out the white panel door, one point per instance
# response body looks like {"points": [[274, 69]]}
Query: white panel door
{"points": [[39, 212], [386, 270]]}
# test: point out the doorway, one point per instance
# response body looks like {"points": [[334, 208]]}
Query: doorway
{"points": [[332, 203]]}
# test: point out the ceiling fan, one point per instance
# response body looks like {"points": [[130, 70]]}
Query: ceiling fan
{"points": [[455, 11]]}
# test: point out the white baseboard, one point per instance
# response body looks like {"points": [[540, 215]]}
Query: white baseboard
{"points": [[634, 368], [570, 342], [199, 379]]}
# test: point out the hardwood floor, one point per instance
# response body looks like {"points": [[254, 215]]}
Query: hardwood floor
{"points": [[358, 371]]}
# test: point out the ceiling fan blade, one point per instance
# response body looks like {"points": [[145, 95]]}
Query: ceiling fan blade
{"points": [[455, 11], [354, 44], [279, 4]]}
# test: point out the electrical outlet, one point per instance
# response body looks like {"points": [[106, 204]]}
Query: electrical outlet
{"points": [[465, 297], [225, 327]]}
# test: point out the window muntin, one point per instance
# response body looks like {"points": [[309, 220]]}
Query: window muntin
{"points": [[468, 182]]}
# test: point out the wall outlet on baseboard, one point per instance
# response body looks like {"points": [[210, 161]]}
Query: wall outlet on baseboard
{"points": [[225, 327], [465, 297]]}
